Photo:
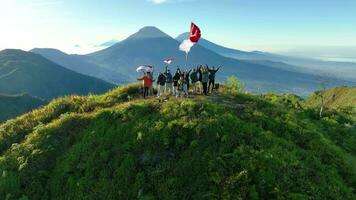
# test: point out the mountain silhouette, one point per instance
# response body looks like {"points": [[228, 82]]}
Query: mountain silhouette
{"points": [[304, 65], [26, 72], [79, 63], [150, 46], [14, 105]]}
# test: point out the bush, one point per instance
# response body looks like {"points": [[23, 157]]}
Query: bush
{"points": [[234, 85]]}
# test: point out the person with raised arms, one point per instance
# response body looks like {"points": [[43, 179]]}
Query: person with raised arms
{"points": [[194, 79], [205, 79], [200, 76], [176, 78], [161, 81], [186, 81], [169, 81], [212, 73]]}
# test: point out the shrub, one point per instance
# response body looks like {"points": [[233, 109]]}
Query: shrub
{"points": [[234, 85]]}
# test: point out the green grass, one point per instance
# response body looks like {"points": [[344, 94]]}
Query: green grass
{"points": [[226, 146], [335, 98]]}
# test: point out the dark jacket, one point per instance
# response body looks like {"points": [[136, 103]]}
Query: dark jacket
{"points": [[212, 73], [200, 74], [176, 77], [161, 80], [186, 77], [169, 78], [194, 76]]}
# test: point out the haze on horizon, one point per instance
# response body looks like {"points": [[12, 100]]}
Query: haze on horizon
{"points": [[318, 28]]}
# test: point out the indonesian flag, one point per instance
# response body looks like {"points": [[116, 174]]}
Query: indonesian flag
{"points": [[194, 37], [168, 61], [195, 33], [145, 68]]}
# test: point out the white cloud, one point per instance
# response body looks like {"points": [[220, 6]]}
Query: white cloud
{"points": [[158, 1], [44, 3]]}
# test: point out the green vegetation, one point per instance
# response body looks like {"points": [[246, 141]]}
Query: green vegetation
{"points": [[335, 98], [25, 72], [234, 85], [117, 146], [12, 106], [338, 99]]}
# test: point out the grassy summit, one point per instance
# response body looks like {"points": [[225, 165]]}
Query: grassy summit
{"points": [[226, 146]]}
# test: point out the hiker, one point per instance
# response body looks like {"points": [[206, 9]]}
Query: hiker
{"points": [[150, 89], [180, 87], [205, 79], [212, 73], [146, 82], [169, 81], [161, 81], [186, 81], [175, 80], [200, 79], [194, 79]]}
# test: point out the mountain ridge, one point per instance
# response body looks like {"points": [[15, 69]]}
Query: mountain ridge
{"points": [[33, 74], [12, 106], [150, 46], [296, 64]]}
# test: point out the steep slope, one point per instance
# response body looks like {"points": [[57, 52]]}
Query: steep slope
{"points": [[151, 46], [116, 146], [25, 72], [335, 98], [15, 105], [342, 70], [81, 64]]}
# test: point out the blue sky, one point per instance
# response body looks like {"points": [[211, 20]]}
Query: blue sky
{"points": [[78, 26]]}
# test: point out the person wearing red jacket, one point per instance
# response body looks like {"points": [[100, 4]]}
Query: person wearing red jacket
{"points": [[147, 81]]}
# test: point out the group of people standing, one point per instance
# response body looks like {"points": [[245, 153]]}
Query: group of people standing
{"points": [[200, 79]]}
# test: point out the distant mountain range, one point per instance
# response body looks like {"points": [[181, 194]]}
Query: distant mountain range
{"points": [[26, 72], [150, 45], [81, 64], [342, 70], [14, 105]]}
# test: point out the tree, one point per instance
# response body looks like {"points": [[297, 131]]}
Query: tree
{"points": [[234, 85], [323, 82]]}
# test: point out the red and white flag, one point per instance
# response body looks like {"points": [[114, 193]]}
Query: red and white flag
{"points": [[168, 61], [194, 37], [195, 33], [145, 68]]}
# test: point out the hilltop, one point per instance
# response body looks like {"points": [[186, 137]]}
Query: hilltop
{"points": [[225, 146]]}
